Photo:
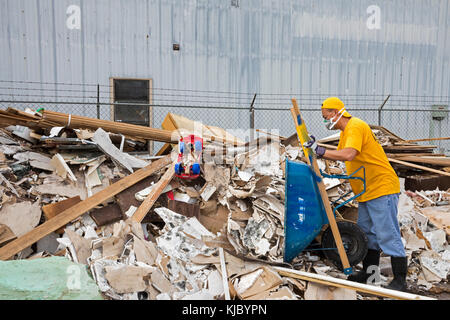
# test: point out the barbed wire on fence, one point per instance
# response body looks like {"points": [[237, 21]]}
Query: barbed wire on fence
{"points": [[234, 94], [411, 116], [402, 122]]}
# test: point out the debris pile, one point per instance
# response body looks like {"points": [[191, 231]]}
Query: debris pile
{"points": [[425, 235], [93, 196], [409, 158], [428, 198]]}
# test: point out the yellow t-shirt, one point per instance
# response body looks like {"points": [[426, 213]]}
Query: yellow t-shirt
{"points": [[381, 178]]}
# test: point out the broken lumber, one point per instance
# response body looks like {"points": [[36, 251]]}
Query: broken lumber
{"points": [[398, 161], [419, 167], [182, 126], [79, 209], [271, 134], [429, 139], [77, 122], [145, 207], [53, 209], [329, 146], [433, 160], [415, 154], [340, 283]]}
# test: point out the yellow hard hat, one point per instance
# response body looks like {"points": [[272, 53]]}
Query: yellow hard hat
{"points": [[335, 103]]}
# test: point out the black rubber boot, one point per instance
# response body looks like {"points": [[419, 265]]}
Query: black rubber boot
{"points": [[372, 258], [399, 269]]}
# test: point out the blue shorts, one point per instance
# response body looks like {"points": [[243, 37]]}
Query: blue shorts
{"points": [[378, 219]]}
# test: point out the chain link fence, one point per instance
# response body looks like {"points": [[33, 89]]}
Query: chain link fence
{"points": [[409, 117]]}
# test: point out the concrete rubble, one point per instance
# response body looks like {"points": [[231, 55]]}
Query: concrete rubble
{"points": [[173, 254]]}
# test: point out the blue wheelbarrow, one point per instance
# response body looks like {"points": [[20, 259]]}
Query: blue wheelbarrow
{"points": [[306, 219]]}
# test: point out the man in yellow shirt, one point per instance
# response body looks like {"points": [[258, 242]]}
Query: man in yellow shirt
{"points": [[377, 207]]}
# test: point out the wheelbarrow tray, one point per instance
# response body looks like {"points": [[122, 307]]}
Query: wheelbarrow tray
{"points": [[305, 213]]}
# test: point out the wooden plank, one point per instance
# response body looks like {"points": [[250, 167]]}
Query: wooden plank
{"points": [[438, 161], [311, 159], [272, 134], [127, 129], [429, 139], [329, 146], [79, 209], [145, 207], [167, 124], [165, 149], [385, 131], [340, 283], [419, 167], [53, 209], [333, 139], [184, 125], [409, 148], [419, 154]]}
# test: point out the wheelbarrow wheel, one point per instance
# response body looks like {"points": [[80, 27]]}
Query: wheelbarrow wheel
{"points": [[354, 241]]}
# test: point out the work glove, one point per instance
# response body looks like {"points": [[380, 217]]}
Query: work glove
{"points": [[318, 150]]}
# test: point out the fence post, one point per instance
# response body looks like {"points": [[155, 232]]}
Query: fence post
{"points": [[252, 117], [98, 101], [381, 107]]}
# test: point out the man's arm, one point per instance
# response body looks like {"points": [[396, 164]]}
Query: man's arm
{"points": [[346, 154]]}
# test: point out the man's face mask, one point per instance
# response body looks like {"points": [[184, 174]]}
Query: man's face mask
{"points": [[329, 123]]}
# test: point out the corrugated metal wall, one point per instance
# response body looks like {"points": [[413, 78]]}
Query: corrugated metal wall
{"points": [[263, 46], [266, 46]]}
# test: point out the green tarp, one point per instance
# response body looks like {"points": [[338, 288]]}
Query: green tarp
{"points": [[53, 278]]}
